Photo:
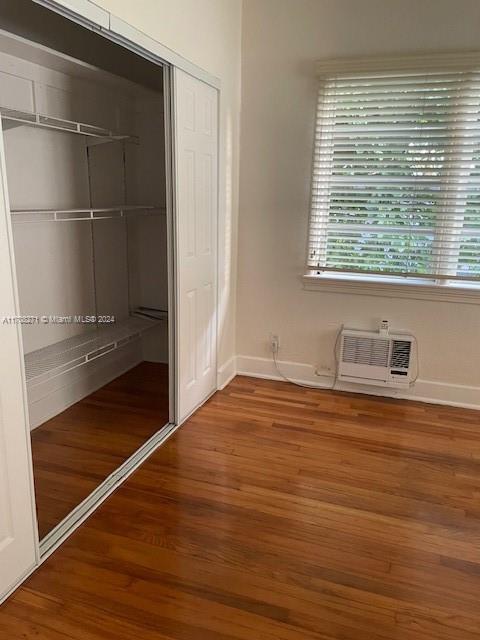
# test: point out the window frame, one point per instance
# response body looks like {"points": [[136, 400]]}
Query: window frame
{"points": [[429, 288]]}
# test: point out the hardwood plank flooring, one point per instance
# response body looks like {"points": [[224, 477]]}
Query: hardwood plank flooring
{"points": [[278, 513], [77, 449]]}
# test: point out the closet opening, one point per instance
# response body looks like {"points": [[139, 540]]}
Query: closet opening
{"points": [[84, 137]]}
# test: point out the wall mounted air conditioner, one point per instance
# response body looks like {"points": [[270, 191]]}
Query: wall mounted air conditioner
{"points": [[370, 357]]}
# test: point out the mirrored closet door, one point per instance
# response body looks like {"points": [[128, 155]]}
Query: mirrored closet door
{"points": [[85, 161]]}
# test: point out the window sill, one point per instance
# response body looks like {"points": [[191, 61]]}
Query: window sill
{"points": [[392, 288]]}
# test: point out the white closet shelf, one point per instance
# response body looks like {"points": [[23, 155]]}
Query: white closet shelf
{"points": [[13, 118], [58, 358], [69, 215]]}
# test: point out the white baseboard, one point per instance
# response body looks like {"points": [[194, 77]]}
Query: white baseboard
{"points": [[226, 373], [430, 391]]}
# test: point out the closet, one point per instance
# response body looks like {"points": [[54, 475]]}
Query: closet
{"points": [[85, 168], [108, 266], [84, 153]]}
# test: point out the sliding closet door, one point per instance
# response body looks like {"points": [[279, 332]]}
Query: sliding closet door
{"points": [[196, 148], [17, 527]]}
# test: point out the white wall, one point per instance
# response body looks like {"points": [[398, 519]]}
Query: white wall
{"points": [[207, 33], [282, 39]]}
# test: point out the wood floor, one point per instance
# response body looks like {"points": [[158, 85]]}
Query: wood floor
{"points": [[76, 450], [278, 513]]}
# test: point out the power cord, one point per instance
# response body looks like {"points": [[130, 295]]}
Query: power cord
{"points": [[308, 386]]}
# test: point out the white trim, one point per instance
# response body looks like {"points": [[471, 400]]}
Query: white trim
{"points": [[296, 371], [171, 209], [160, 51], [90, 11], [226, 373], [391, 288], [429, 391], [94, 17], [441, 60]]}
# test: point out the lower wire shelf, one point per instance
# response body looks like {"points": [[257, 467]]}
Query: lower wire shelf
{"points": [[20, 216], [51, 361]]}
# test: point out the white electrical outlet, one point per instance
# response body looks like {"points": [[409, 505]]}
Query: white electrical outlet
{"points": [[274, 343], [384, 327]]}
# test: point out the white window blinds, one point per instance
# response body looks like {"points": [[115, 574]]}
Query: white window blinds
{"points": [[396, 173]]}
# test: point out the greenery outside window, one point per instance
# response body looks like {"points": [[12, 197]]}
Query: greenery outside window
{"points": [[396, 170]]}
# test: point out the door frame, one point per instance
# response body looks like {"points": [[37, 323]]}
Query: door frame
{"points": [[109, 26]]}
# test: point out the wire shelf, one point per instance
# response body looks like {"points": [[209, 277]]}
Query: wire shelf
{"points": [[58, 358], [14, 118], [20, 216]]}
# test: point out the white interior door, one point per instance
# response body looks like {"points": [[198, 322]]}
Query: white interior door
{"points": [[17, 524], [196, 149]]}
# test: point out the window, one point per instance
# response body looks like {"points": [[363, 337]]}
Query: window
{"points": [[396, 171]]}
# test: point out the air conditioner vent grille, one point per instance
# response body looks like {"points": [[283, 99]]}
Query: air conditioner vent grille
{"points": [[363, 350], [400, 358]]}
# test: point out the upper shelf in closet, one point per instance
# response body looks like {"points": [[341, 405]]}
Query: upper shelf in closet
{"points": [[71, 215], [14, 118]]}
